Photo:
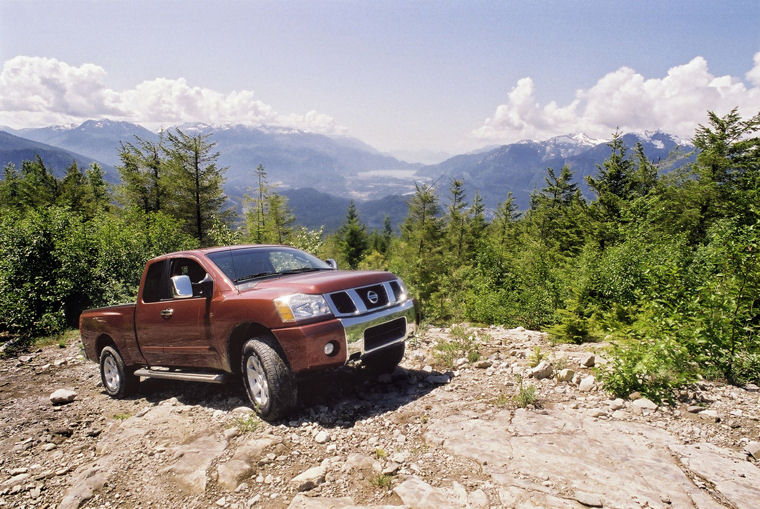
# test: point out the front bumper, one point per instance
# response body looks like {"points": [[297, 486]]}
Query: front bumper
{"points": [[371, 332], [356, 336]]}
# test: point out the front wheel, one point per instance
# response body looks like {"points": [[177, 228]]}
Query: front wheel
{"points": [[268, 381], [118, 380]]}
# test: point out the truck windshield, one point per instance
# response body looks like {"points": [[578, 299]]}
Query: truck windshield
{"points": [[250, 263]]}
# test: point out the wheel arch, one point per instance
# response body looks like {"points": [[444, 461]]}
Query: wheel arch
{"points": [[103, 341], [240, 335]]}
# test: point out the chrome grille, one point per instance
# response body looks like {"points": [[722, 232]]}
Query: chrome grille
{"points": [[357, 301]]}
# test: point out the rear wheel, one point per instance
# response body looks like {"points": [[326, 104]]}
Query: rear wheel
{"points": [[118, 380], [386, 360], [268, 381]]}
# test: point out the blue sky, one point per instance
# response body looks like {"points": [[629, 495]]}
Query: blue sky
{"points": [[402, 76]]}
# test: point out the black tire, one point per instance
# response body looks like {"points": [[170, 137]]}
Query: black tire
{"points": [[385, 360], [118, 380], [269, 383]]}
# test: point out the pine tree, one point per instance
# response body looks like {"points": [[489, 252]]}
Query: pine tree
{"points": [[39, 187], [197, 182], [72, 190], [97, 190], [506, 215], [422, 226], [279, 219], [10, 187], [143, 175], [352, 237], [256, 217], [456, 230], [476, 225]]}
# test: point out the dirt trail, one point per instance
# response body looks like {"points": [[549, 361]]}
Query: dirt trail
{"points": [[419, 438]]}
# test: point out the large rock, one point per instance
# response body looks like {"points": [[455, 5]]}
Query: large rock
{"points": [[192, 460], [367, 465], [543, 370], [587, 383], [644, 404], [588, 360], [753, 449], [301, 501], [230, 474], [416, 493], [736, 479], [63, 396], [309, 479], [622, 461]]}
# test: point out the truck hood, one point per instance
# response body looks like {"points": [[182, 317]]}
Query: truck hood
{"points": [[326, 281]]}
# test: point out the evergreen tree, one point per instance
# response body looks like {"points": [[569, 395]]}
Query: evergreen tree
{"points": [[476, 225], [506, 215], [39, 187], [279, 219], [644, 178], [197, 182], [10, 187], [98, 192], [72, 192], [557, 210], [422, 226], [456, 230], [352, 237], [256, 217], [143, 175]]}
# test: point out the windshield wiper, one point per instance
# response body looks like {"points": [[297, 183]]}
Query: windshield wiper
{"points": [[254, 276], [302, 269]]}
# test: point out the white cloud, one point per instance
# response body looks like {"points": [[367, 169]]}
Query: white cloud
{"points": [[37, 91], [624, 99]]}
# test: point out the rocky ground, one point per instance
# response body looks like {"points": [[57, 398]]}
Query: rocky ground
{"points": [[492, 429]]}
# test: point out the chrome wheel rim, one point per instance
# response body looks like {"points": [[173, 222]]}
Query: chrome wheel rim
{"points": [[257, 381], [111, 374]]}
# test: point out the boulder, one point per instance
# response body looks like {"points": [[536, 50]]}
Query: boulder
{"points": [[588, 360], [309, 479], [543, 370], [62, 396], [587, 383]]}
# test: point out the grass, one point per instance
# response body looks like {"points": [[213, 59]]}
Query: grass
{"points": [[382, 481], [62, 339], [248, 424], [502, 400], [526, 395], [380, 453], [560, 363], [122, 417], [536, 357], [462, 344]]}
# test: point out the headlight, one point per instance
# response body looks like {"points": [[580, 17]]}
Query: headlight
{"points": [[404, 293], [301, 307]]}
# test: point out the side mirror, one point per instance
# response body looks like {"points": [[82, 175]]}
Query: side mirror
{"points": [[204, 287], [181, 287], [332, 263]]}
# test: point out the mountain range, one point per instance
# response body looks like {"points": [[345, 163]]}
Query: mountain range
{"points": [[320, 174]]}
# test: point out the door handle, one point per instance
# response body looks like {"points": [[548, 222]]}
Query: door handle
{"points": [[167, 313]]}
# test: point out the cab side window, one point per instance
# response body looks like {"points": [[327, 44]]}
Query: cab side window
{"points": [[155, 285], [190, 268]]}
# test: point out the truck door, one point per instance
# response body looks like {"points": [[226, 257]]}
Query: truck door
{"points": [[174, 332]]}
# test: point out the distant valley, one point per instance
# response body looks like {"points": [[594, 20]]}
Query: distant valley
{"points": [[320, 174]]}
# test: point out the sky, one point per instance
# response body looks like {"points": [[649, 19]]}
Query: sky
{"points": [[411, 78]]}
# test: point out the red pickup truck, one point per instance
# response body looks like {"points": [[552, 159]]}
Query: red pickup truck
{"points": [[266, 313]]}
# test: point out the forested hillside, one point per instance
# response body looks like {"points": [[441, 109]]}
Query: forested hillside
{"points": [[663, 265]]}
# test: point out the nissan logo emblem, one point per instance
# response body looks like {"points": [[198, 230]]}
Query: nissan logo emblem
{"points": [[373, 297]]}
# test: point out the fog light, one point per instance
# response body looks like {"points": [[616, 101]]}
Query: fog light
{"points": [[329, 348]]}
